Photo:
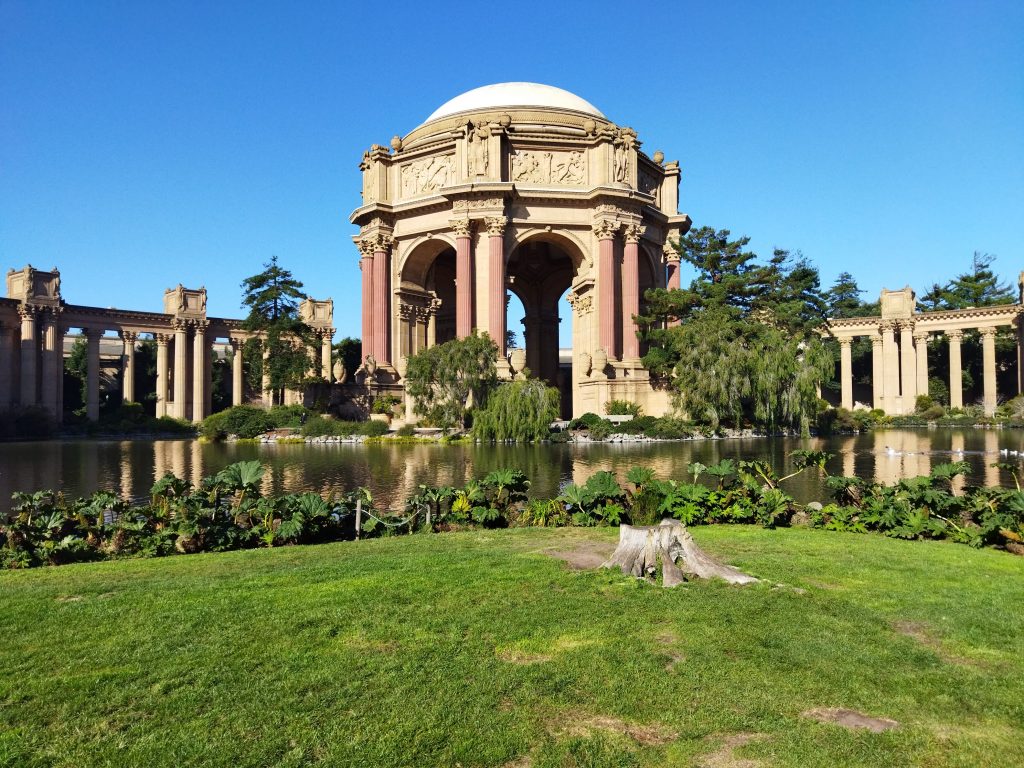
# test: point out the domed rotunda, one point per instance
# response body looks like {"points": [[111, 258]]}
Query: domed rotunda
{"points": [[526, 189]]}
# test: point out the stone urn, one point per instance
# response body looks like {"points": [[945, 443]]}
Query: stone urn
{"points": [[340, 374], [585, 363], [600, 362], [517, 362]]}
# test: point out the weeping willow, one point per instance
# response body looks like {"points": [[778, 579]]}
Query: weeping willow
{"points": [[518, 411]]}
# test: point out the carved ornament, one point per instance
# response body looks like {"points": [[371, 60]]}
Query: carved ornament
{"points": [[427, 174], [581, 304], [479, 203], [633, 233], [496, 225], [460, 227], [605, 230], [561, 168], [956, 335], [990, 331]]}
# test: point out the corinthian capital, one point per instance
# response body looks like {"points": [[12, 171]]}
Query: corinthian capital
{"points": [[460, 227], [605, 229], [633, 233], [496, 225]]}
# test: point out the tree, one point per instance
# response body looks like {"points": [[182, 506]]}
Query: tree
{"points": [[285, 344], [519, 411], [348, 351], [445, 379], [747, 347], [979, 287]]}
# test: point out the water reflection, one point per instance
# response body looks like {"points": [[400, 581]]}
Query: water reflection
{"points": [[129, 468]]}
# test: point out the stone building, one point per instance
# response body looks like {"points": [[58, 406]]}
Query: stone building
{"points": [[528, 189]]}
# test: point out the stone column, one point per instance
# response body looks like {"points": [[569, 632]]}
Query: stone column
{"points": [[891, 367], [53, 364], [846, 372], [6, 365], [988, 350], [381, 299], [179, 410], [128, 373], [28, 354], [1019, 322], [161, 373], [268, 395], [605, 231], [908, 366], [496, 280], [92, 376], [672, 271], [200, 357], [631, 291], [326, 336], [237, 392], [463, 278], [877, 371], [921, 345], [366, 268], [956, 379]]}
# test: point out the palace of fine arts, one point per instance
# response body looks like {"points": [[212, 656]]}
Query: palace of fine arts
{"points": [[648, 395]]}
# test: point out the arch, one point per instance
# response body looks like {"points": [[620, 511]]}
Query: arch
{"points": [[416, 257], [566, 239]]}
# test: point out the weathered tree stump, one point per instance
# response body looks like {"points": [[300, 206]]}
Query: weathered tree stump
{"points": [[640, 548]]}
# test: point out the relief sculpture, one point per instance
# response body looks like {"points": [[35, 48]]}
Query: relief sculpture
{"points": [[549, 167], [426, 175], [648, 183]]}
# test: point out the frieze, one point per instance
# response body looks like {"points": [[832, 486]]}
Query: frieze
{"points": [[560, 168], [648, 183], [478, 203], [427, 174]]}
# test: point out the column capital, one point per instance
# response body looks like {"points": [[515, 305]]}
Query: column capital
{"points": [[162, 339], [989, 331], [28, 311], [956, 335], [921, 337], [366, 247], [633, 232], [605, 229], [129, 336], [904, 325], [496, 225], [845, 341], [236, 342], [179, 325], [461, 227], [92, 333], [669, 251], [201, 325], [876, 338]]}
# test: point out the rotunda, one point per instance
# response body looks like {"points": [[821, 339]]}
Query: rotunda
{"points": [[526, 189]]}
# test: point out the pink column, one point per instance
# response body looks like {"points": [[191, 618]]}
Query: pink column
{"points": [[496, 283], [605, 231], [631, 291], [672, 270], [463, 279], [366, 267], [381, 305]]}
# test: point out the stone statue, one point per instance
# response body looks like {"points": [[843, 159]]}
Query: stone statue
{"points": [[478, 151]]}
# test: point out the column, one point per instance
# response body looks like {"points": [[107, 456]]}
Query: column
{"points": [[988, 356], [1019, 322], [890, 368], [92, 376], [128, 372], [381, 299], [908, 366], [631, 291], [161, 373], [921, 345], [268, 395], [496, 280], [463, 278], [179, 410], [53, 364], [846, 372], [877, 371], [672, 272], [200, 357], [28, 355], [956, 379], [366, 268], [326, 336], [237, 345], [6, 365], [605, 231]]}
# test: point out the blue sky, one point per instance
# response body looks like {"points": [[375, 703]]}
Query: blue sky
{"points": [[145, 144]]}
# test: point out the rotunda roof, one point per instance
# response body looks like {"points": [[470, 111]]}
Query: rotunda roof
{"points": [[514, 95]]}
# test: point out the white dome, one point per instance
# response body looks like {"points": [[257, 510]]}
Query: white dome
{"points": [[514, 95]]}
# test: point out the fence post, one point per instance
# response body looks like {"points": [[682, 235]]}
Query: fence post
{"points": [[359, 517]]}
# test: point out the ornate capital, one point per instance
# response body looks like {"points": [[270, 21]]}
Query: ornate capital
{"points": [[496, 225], [201, 325], [921, 337], [990, 331], [27, 311], [405, 311], [237, 343], [460, 227], [876, 340], [92, 333], [904, 325], [162, 339], [633, 233], [956, 335], [130, 337], [179, 325], [365, 245], [845, 341], [581, 304], [887, 326], [669, 250], [605, 230]]}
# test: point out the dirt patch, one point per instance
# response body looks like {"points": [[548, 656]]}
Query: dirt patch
{"points": [[725, 756], [648, 735], [516, 656], [519, 762], [70, 599], [922, 634], [585, 556], [850, 718]]}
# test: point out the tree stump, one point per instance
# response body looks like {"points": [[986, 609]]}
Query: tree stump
{"points": [[640, 548]]}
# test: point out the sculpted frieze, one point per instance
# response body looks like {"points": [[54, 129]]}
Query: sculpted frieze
{"points": [[427, 174], [648, 183], [562, 168]]}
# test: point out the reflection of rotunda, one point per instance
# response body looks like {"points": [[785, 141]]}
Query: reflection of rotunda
{"points": [[525, 188]]}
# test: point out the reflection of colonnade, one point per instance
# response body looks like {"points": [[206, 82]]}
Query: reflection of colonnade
{"points": [[34, 319], [899, 350]]}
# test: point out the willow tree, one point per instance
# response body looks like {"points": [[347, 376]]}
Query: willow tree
{"points": [[747, 347], [518, 411]]}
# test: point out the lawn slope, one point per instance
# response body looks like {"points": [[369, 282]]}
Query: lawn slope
{"points": [[478, 649]]}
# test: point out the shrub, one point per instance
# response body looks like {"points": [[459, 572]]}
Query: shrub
{"points": [[406, 430], [320, 426], [934, 412], [518, 411], [622, 408], [600, 430], [245, 421], [385, 403], [586, 421], [923, 403]]}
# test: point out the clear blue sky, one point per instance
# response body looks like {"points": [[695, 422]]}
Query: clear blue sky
{"points": [[143, 144]]}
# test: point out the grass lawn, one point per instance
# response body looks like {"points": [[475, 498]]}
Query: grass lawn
{"points": [[476, 649]]}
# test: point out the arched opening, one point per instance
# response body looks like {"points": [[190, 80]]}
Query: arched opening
{"points": [[426, 297], [540, 271]]}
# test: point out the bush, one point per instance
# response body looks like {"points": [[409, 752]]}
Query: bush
{"points": [[600, 430], [245, 421], [934, 412], [518, 411], [406, 430], [586, 421], [385, 404], [320, 426], [923, 403], [622, 408]]}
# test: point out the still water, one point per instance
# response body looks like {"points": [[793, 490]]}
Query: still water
{"points": [[392, 472]]}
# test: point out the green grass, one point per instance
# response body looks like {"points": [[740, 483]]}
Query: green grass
{"points": [[473, 649]]}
